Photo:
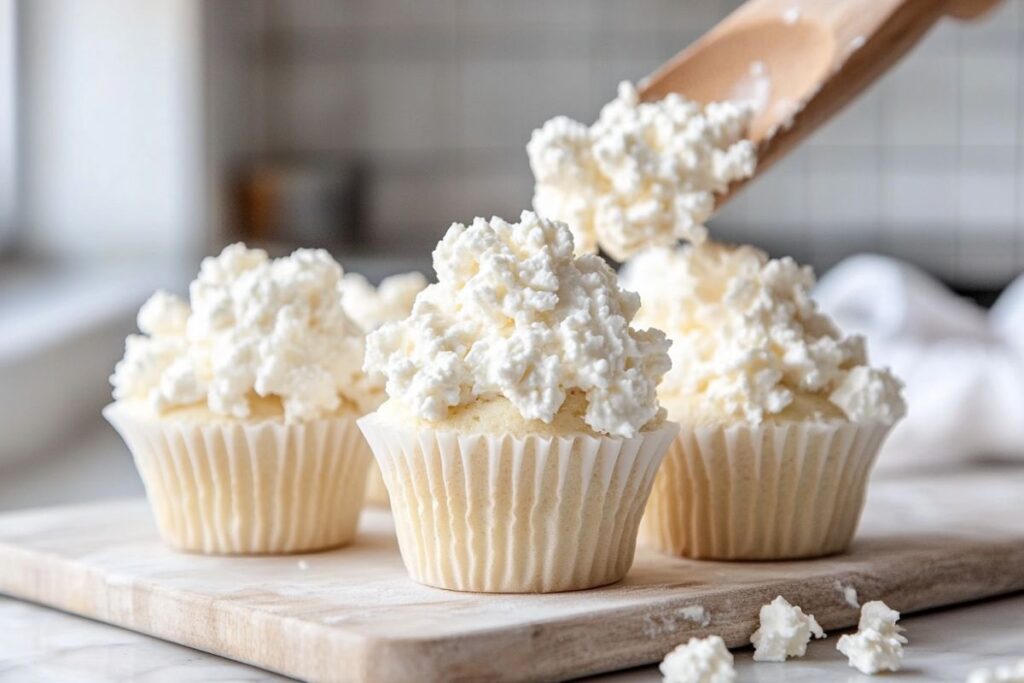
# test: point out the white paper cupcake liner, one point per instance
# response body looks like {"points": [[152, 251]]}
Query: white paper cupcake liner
{"points": [[504, 514], [780, 490], [376, 489], [247, 488]]}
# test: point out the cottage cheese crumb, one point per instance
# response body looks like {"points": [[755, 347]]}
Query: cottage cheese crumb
{"points": [[878, 644], [849, 594], [252, 326], [696, 613], [784, 632], [515, 315], [701, 660], [1007, 673], [644, 174]]}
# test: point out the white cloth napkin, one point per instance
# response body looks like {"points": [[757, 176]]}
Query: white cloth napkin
{"points": [[963, 367]]}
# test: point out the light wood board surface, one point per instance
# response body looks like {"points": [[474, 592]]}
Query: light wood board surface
{"points": [[353, 615]]}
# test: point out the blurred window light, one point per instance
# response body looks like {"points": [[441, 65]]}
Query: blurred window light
{"points": [[109, 140], [8, 121]]}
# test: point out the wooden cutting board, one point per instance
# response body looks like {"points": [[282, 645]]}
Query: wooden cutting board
{"points": [[353, 615]]}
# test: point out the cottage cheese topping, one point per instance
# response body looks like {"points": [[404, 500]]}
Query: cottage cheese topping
{"points": [[784, 632], [701, 660], [255, 326], [1008, 673], [878, 644], [644, 174], [515, 315], [391, 300], [749, 342], [869, 395]]}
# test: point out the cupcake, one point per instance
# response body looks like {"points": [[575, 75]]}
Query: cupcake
{"points": [[781, 416], [371, 307], [240, 406], [522, 428]]}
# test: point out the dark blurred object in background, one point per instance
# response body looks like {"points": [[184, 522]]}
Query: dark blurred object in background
{"points": [[308, 203]]}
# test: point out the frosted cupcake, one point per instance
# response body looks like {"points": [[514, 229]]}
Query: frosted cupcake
{"points": [[522, 430], [781, 416], [239, 406], [371, 307]]}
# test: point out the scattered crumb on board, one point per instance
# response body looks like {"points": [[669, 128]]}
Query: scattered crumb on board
{"points": [[664, 624], [849, 594]]}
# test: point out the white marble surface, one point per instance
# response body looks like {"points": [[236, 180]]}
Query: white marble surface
{"points": [[41, 645]]}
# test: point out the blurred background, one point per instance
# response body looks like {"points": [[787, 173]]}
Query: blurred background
{"points": [[136, 137]]}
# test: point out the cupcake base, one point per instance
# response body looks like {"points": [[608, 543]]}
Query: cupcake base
{"points": [[249, 488], [504, 514], [770, 492]]}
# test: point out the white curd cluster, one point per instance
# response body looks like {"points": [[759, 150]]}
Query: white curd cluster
{"points": [[701, 660], [516, 315], [784, 631], [644, 174], [253, 327], [748, 341], [878, 643]]}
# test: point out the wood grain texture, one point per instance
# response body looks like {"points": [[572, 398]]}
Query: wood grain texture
{"points": [[814, 57], [353, 615]]}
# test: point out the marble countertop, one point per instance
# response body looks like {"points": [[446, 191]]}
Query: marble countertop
{"points": [[44, 645]]}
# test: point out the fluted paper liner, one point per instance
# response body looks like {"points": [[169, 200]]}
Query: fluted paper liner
{"points": [[775, 491], [505, 514], [247, 488], [376, 489]]}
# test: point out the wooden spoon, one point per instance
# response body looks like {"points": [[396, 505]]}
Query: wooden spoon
{"points": [[799, 61]]}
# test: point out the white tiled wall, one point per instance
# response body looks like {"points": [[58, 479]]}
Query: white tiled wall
{"points": [[438, 98]]}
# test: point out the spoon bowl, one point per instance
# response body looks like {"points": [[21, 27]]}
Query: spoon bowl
{"points": [[798, 62]]}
